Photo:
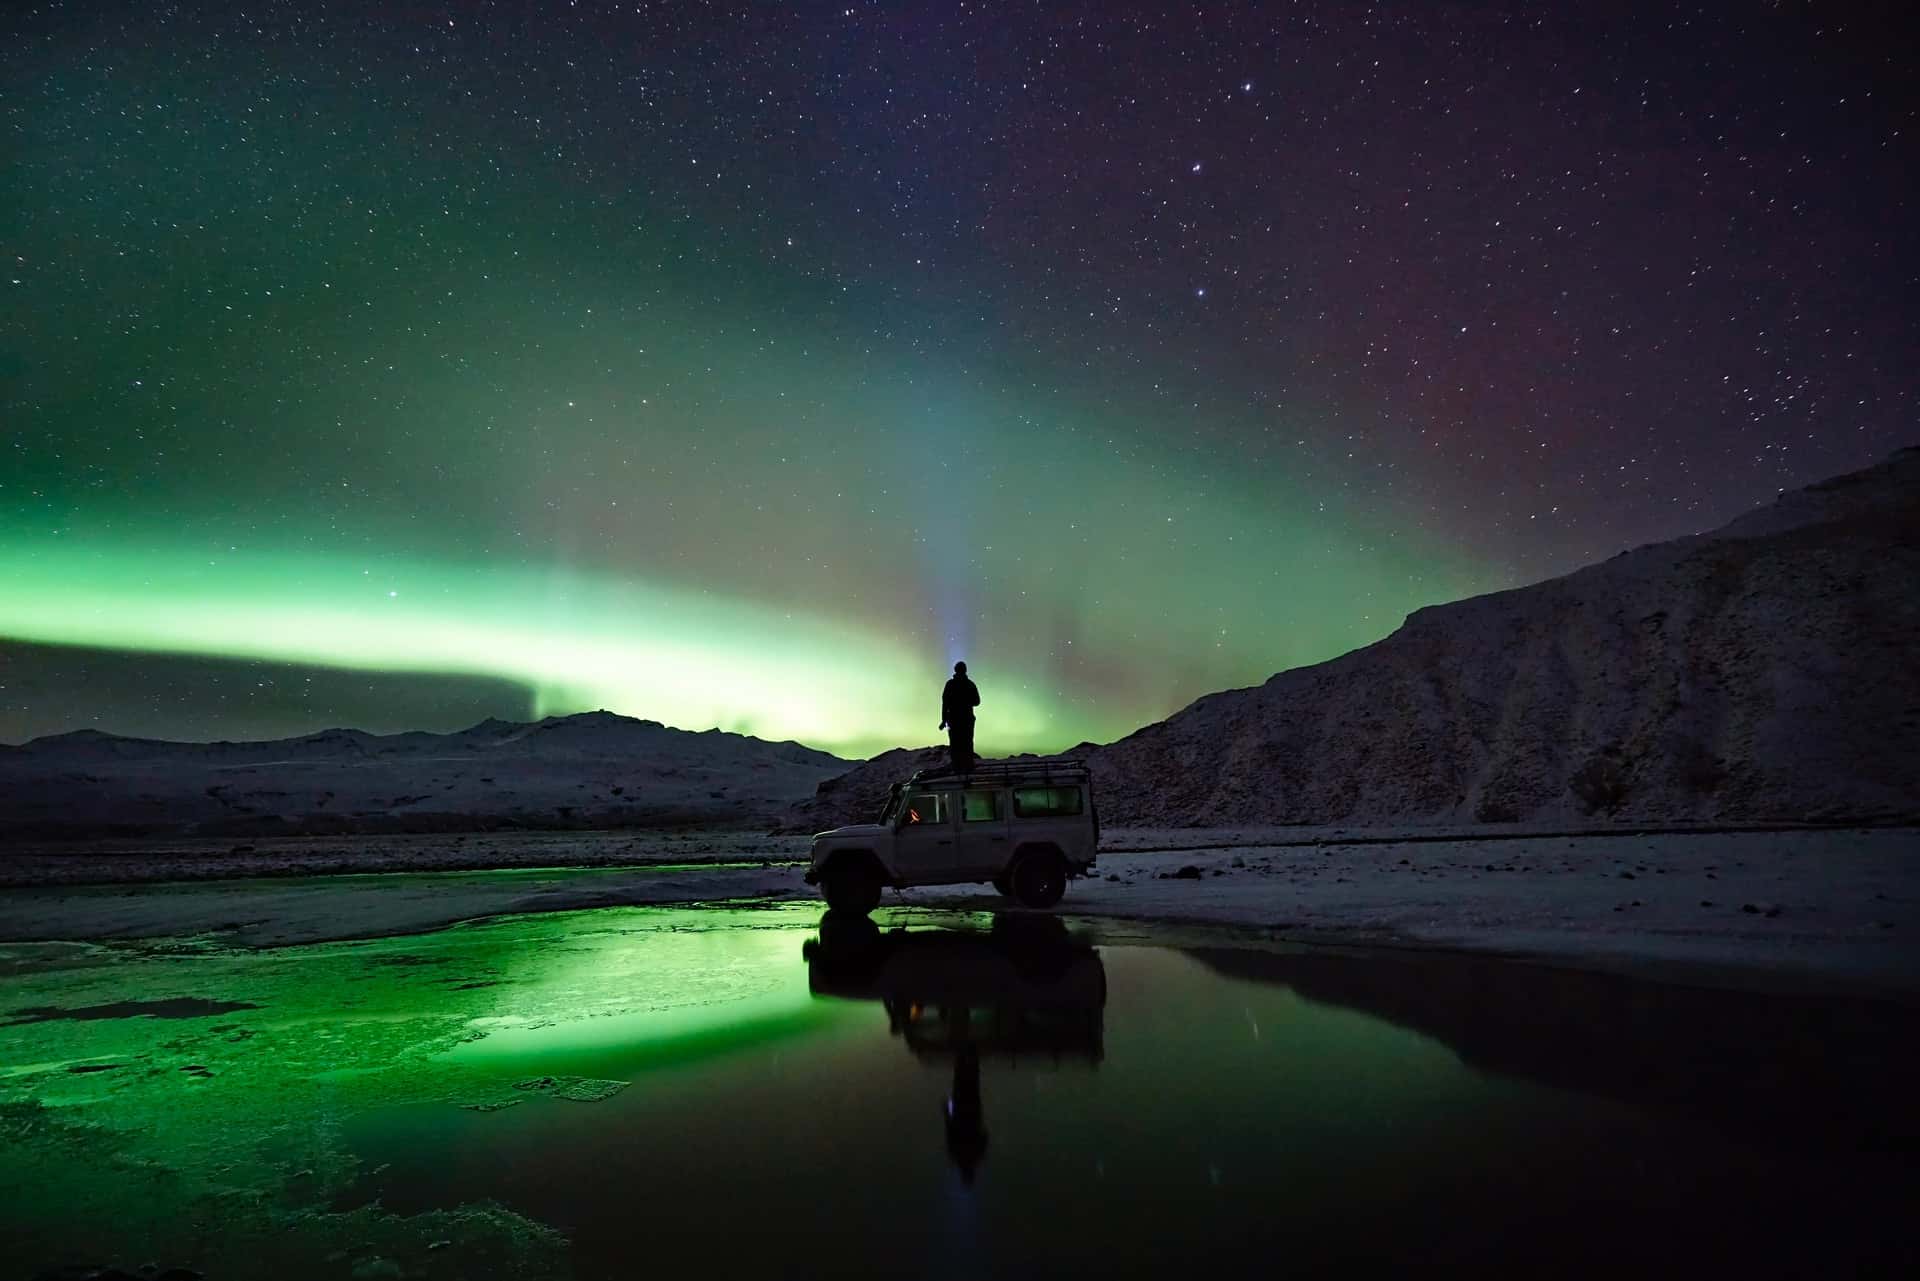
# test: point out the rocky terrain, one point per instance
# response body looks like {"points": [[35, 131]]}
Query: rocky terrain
{"points": [[1769, 670], [586, 771], [859, 795]]}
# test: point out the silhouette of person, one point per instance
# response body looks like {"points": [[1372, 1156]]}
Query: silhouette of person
{"points": [[957, 702], [966, 1117]]}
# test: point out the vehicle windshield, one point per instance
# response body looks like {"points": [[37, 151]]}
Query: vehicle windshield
{"points": [[893, 804]]}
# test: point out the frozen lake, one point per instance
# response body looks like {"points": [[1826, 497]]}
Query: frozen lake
{"points": [[761, 1092]]}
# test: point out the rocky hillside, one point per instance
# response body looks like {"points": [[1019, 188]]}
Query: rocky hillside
{"points": [[591, 770], [1767, 670], [859, 795]]}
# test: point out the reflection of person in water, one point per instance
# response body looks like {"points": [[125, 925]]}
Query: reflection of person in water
{"points": [[957, 702], [1025, 988], [966, 1116]]}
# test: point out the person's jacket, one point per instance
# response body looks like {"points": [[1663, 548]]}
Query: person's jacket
{"points": [[958, 700]]}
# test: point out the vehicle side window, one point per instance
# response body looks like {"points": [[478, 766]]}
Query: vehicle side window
{"points": [[1046, 802], [926, 807], [980, 806]]}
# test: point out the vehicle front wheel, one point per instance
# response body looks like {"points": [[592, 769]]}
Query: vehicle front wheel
{"points": [[1039, 879], [852, 889]]}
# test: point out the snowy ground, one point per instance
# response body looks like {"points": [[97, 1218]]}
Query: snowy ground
{"points": [[136, 860], [1821, 908]]}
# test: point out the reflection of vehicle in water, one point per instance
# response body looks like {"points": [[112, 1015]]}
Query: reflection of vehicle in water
{"points": [[1025, 826], [1024, 990]]}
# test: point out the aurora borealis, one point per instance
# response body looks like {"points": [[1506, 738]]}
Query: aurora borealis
{"points": [[745, 365]]}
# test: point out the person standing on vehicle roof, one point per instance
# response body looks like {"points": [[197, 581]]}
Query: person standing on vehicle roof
{"points": [[957, 702]]}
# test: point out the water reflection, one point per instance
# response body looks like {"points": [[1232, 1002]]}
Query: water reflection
{"points": [[1024, 990], [1177, 1100], [1818, 1071], [1387, 1107]]}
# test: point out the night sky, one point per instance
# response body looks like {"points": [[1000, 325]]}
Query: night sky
{"points": [[744, 365]]}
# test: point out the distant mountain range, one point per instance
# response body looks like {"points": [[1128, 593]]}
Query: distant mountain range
{"points": [[591, 770]]}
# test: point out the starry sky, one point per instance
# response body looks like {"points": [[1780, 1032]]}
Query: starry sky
{"points": [[743, 365]]}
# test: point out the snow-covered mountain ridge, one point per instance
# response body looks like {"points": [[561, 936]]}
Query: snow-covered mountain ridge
{"points": [[1767, 670], [595, 769]]}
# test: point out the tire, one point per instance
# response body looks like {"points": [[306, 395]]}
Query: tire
{"points": [[852, 888], [847, 934], [1004, 885], [1039, 879]]}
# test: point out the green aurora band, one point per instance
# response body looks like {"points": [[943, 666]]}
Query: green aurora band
{"points": [[673, 656], [576, 640], [286, 384]]}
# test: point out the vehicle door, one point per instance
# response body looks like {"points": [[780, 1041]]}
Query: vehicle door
{"points": [[983, 832], [923, 839]]}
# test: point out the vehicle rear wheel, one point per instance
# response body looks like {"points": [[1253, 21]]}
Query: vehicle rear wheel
{"points": [[1004, 885], [1039, 879], [847, 933], [853, 889]]}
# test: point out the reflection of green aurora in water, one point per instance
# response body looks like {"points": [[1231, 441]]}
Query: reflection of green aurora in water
{"points": [[657, 1083], [148, 1118], [215, 1140]]}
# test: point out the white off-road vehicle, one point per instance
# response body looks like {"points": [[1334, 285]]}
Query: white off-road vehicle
{"points": [[1024, 826]]}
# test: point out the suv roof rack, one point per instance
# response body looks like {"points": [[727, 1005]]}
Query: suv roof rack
{"points": [[1043, 770]]}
